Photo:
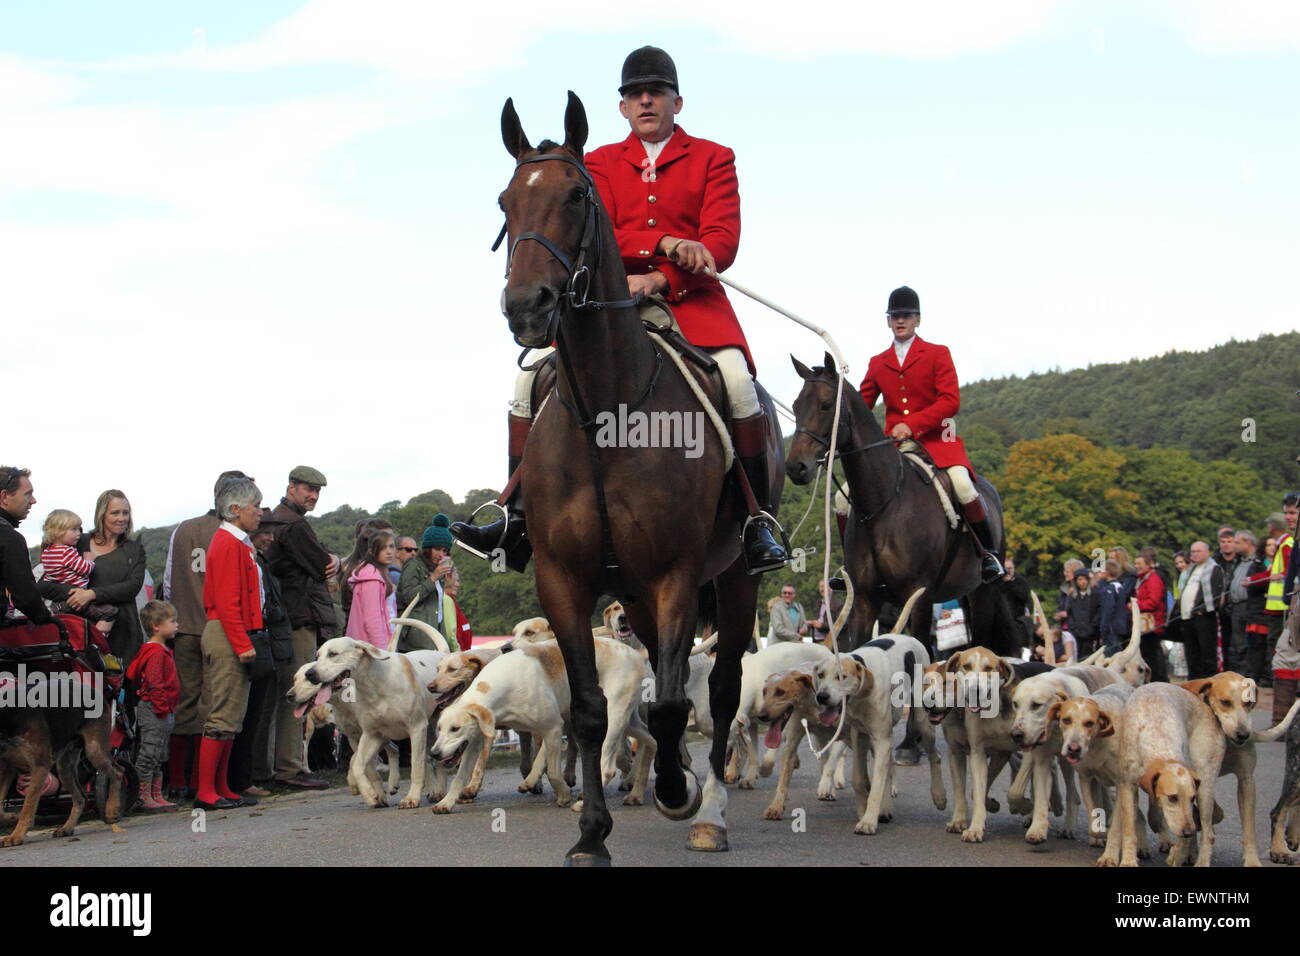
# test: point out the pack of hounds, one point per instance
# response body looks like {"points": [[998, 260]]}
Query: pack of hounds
{"points": [[1095, 730]]}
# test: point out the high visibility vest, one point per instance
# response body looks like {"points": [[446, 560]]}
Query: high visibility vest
{"points": [[1275, 602]]}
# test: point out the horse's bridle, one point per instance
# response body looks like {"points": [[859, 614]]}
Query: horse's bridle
{"points": [[576, 294], [825, 442]]}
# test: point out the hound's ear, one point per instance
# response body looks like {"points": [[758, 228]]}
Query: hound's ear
{"points": [[1201, 688], [575, 125], [483, 718], [830, 364], [1148, 783], [950, 665], [868, 682], [805, 679], [1005, 672], [804, 371], [1196, 781], [1054, 713], [1105, 726], [373, 651], [1062, 697], [512, 133]]}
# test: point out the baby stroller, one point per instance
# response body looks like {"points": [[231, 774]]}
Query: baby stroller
{"points": [[72, 646]]}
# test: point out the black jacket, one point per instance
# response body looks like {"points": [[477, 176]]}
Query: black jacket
{"points": [[16, 573], [1083, 612], [299, 561]]}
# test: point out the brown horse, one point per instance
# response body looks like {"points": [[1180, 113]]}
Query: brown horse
{"points": [[898, 538], [671, 523]]}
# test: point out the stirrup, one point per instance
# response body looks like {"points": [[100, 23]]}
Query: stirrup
{"points": [[769, 522], [505, 526]]}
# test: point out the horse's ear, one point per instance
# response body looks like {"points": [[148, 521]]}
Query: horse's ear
{"points": [[575, 125], [804, 371], [512, 133], [830, 363]]}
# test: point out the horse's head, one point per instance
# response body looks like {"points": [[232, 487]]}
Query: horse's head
{"points": [[552, 202], [814, 411]]}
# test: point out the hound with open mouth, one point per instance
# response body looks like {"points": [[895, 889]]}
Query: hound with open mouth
{"points": [[1037, 738], [788, 703], [391, 702], [872, 685]]}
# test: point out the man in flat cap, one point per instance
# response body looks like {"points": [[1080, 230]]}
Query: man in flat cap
{"points": [[919, 385], [302, 566], [674, 203]]}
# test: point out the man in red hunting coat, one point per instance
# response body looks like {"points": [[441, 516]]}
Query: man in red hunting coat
{"points": [[674, 203], [919, 384]]}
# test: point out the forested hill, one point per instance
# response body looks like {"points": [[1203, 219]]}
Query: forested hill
{"points": [[1202, 402]]}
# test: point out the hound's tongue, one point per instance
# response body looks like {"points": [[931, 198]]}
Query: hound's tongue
{"points": [[830, 716], [772, 739], [322, 697]]}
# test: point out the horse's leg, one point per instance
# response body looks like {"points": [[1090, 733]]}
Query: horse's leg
{"points": [[569, 605], [677, 793], [737, 593], [908, 753]]}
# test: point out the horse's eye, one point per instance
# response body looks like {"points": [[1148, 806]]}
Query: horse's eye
{"points": [[577, 194], [827, 406]]}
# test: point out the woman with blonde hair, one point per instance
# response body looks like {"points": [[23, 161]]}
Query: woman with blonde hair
{"points": [[117, 577]]}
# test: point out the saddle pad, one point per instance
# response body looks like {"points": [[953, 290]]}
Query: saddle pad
{"points": [[944, 500]]}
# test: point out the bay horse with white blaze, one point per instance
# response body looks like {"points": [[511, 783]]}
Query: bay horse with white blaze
{"points": [[898, 538], [668, 523]]}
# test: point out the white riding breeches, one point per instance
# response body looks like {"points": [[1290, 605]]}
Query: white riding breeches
{"points": [[961, 483], [731, 362]]}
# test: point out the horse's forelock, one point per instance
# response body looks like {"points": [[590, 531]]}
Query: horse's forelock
{"points": [[547, 146]]}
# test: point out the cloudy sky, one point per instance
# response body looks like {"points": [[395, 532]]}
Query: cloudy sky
{"points": [[251, 235]]}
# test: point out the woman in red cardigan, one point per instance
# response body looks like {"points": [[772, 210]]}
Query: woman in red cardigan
{"points": [[232, 597], [1150, 596]]}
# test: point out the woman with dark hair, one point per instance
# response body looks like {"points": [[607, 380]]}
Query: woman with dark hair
{"points": [[1083, 612], [373, 599], [363, 531], [118, 575]]}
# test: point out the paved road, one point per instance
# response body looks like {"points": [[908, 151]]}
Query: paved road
{"points": [[331, 827]]}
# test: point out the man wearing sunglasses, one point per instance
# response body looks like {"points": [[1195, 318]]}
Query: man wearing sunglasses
{"points": [[674, 203], [919, 385], [405, 549]]}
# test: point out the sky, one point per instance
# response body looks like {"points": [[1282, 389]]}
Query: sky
{"points": [[256, 235]]}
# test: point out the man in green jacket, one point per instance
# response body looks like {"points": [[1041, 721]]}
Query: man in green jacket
{"points": [[421, 583]]}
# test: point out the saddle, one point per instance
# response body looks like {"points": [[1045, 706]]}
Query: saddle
{"points": [[705, 365], [914, 454]]}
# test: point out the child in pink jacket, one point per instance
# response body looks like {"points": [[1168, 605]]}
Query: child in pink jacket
{"points": [[373, 597]]}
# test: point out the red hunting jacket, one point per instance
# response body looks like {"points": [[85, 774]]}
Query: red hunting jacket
{"points": [[694, 196], [922, 394]]}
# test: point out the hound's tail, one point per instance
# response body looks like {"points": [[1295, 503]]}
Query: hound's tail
{"points": [[430, 631], [1278, 732]]}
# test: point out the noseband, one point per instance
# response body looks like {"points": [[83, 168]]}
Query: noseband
{"points": [[576, 291], [825, 440]]}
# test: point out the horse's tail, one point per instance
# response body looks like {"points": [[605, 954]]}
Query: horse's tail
{"points": [[706, 612]]}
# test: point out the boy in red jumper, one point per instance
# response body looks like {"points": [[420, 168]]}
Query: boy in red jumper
{"points": [[232, 598], [153, 674]]}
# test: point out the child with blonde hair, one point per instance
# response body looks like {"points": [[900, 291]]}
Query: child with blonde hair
{"points": [[64, 564]]}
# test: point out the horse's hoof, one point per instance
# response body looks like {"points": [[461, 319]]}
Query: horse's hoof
{"points": [[907, 756], [586, 859], [707, 838], [694, 797], [632, 800]]}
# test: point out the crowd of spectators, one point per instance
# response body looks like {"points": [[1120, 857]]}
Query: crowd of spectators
{"points": [[246, 598]]}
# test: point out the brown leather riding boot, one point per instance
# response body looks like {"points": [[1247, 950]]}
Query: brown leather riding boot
{"points": [[762, 551], [510, 533], [990, 565]]}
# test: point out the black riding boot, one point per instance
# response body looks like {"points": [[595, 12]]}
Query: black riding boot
{"points": [[762, 551], [510, 533], [990, 565]]}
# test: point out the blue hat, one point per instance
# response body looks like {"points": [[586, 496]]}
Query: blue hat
{"points": [[438, 534]]}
